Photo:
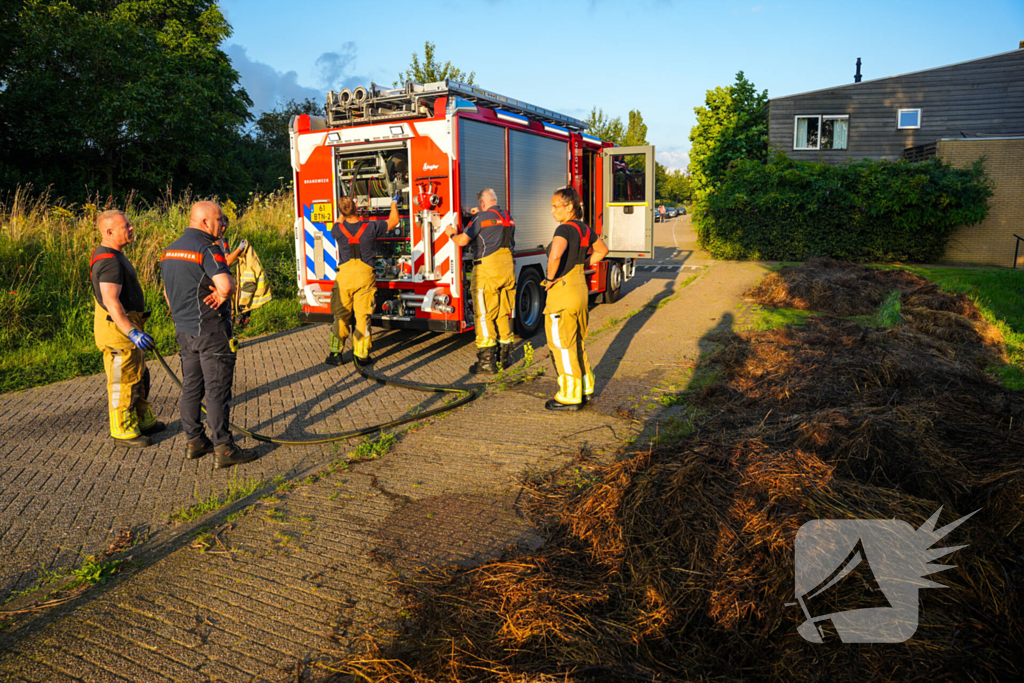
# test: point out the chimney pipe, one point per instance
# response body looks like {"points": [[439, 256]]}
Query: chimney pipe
{"points": [[856, 76]]}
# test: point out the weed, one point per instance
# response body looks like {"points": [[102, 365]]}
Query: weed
{"points": [[237, 490], [888, 313], [767, 319], [373, 448]]}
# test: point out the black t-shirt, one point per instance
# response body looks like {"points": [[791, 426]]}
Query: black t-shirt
{"points": [[367, 243], [576, 252], [188, 267], [110, 265], [486, 232]]}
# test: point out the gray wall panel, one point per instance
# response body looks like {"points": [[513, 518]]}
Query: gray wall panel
{"points": [[481, 161], [983, 96], [538, 166]]}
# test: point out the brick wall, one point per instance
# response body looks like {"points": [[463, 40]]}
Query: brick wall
{"points": [[991, 242]]}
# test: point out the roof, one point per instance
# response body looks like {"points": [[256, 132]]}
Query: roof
{"points": [[909, 73]]}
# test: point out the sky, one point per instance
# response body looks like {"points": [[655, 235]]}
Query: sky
{"points": [[658, 56]]}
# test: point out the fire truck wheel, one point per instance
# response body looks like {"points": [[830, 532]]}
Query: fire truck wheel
{"points": [[614, 285], [529, 303]]}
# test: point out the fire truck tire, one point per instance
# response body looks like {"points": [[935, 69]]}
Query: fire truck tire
{"points": [[613, 287], [529, 303]]}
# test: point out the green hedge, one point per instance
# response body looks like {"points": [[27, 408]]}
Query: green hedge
{"points": [[859, 211]]}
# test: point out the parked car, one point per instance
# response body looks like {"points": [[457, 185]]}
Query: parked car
{"points": [[671, 212], [682, 210]]}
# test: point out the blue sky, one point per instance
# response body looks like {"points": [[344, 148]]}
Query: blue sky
{"points": [[658, 56]]}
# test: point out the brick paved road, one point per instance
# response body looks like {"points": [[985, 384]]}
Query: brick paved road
{"points": [[301, 576]]}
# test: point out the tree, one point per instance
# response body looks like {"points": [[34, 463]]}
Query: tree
{"points": [[431, 70], [264, 150], [599, 125], [731, 125], [130, 96]]}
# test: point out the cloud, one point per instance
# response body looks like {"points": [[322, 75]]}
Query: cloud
{"points": [[334, 69], [268, 87], [757, 9], [673, 158]]}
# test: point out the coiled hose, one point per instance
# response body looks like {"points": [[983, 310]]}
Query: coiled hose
{"points": [[468, 394]]}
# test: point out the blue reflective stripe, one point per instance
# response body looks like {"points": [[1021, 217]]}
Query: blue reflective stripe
{"points": [[310, 241], [330, 239], [329, 261]]}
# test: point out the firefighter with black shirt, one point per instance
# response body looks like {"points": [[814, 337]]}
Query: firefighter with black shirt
{"points": [[492, 233], [198, 288], [355, 285], [118, 328], [566, 314]]}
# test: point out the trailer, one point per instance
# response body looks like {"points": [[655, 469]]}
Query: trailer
{"points": [[436, 145]]}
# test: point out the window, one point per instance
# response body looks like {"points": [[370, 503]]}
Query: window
{"points": [[825, 131], [908, 118]]}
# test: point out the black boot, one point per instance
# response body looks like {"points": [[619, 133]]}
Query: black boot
{"points": [[198, 447], [485, 360], [504, 354], [552, 404], [230, 454], [334, 359]]}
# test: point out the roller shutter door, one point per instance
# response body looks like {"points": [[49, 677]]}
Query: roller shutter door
{"points": [[537, 166], [481, 161]]}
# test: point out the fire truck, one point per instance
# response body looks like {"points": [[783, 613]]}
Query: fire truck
{"points": [[435, 146]]}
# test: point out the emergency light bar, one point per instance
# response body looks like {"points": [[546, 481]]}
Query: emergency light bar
{"points": [[552, 128], [514, 118]]}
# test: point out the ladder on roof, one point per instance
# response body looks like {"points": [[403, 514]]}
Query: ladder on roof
{"points": [[362, 105]]}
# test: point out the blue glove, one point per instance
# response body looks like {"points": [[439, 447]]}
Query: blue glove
{"points": [[141, 340]]}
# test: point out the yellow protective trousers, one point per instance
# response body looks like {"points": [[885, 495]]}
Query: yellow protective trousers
{"points": [[566, 317], [354, 294], [127, 376], [493, 288]]}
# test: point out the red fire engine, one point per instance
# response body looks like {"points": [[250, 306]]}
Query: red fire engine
{"points": [[436, 146]]}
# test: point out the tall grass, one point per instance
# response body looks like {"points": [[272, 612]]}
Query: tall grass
{"points": [[46, 300]]}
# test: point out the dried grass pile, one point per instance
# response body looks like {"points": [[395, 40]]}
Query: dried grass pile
{"points": [[678, 563]]}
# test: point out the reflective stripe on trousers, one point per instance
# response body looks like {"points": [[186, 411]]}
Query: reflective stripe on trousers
{"points": [[354, 295], [127, 376], [565, 322], [493, 285]]}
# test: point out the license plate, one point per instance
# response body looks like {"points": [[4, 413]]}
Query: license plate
{"points": [[322, 212]]}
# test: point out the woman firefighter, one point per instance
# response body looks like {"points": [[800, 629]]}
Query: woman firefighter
{"points": [[573, 247], [355, 286]]}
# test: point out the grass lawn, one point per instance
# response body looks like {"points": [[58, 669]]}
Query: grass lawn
{"points": [[999, 295]]}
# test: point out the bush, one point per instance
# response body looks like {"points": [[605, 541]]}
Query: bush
{"points": [[46, 300], [860, 211]]}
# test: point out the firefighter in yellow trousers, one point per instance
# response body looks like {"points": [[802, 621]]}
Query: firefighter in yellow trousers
{"points": [[118, 328], [574, 246], [355, 285], [493, 286]]}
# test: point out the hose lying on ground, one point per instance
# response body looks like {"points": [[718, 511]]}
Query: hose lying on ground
{"points": [[469, 394]]}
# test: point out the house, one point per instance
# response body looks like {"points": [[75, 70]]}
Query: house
{"points": [[960, 113]]}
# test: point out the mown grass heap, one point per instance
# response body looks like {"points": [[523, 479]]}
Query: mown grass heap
{"points": [[678, 563], [46, 300]]}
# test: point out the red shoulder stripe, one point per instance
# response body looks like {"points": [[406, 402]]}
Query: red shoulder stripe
{"points": [[99, 257]]}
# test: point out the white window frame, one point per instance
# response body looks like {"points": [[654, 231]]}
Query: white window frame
{"points": [[899, 114], [821, 118]]}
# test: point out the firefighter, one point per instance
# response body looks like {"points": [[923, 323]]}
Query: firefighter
{"points": [[198, 288], [355, 285], [118, 328], [573, 247], [492, 233]]}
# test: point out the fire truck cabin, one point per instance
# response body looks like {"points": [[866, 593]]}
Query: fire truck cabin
{"points": [[435, 146]]}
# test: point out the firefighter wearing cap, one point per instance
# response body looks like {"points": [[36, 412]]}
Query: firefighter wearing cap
{"points": [[355, 285], [198, 288], [493, 286], [566, 314], [118, 328]]}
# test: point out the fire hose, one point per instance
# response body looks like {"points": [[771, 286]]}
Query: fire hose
{"points": [[468, 394]]}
